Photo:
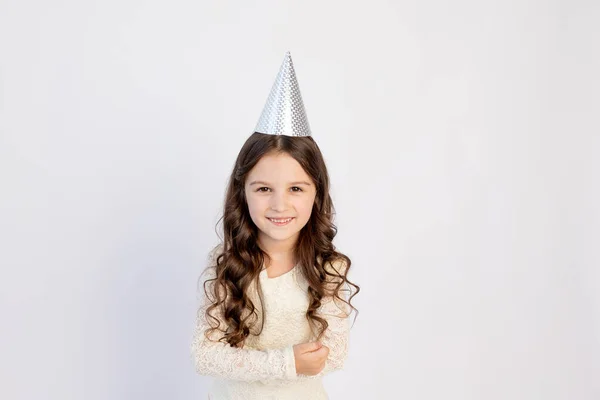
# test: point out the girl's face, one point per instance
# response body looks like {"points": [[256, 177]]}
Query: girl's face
{"points": [[280, 197]]}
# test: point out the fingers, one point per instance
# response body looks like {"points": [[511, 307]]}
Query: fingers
{"points": [[322, 353], [311, 347], [315, 347]]}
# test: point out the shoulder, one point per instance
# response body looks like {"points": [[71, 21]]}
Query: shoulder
{"points": [[209, 272], [214, 253], [337, 266], [336, 287], [335, 270]]}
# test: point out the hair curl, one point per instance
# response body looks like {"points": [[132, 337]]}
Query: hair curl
{"points": [[238, 259]]}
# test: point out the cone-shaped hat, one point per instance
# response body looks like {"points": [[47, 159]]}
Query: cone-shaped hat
{"points": [[284, 112]]}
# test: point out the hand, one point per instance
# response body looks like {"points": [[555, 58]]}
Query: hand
{"points": [[310, 357]]}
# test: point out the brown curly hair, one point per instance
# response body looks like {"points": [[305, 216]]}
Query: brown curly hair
{"points": [[238, 259]]}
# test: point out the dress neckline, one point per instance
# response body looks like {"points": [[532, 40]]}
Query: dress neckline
{"points": [[264, 273]]}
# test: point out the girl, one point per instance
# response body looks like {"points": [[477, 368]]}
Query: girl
{"points": [[274, 315]]}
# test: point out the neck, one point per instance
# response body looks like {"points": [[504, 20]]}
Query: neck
{"points": [[279, 251]]}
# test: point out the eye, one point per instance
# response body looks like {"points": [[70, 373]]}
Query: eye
{"points": [[296, 187], [260, 189]]}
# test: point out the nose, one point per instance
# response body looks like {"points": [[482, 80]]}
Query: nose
{"points": [[279, 202]]}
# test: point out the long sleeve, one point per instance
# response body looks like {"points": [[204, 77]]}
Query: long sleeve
{"points": [[337, 334], [218, 359]]}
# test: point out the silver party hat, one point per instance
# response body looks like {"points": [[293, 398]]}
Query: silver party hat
{"points": [[284, 112]]}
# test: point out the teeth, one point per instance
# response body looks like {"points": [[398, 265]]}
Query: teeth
{"points": [[280, 221]]}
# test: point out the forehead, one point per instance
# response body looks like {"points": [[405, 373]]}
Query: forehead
{"points": [[278, 167]]}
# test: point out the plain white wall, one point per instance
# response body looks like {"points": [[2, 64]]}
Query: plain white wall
{"points": [[462, 140]]}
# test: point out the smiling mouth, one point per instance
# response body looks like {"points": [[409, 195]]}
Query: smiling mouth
{"points": [[280, 221]]}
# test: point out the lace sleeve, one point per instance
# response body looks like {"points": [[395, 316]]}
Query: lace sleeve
{"points": [[337, 334], [218, 359]]}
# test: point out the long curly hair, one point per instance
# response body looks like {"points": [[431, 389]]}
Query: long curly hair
{"points": [[238, 259]]}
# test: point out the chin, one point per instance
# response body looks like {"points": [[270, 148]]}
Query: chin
{"points": [[279, 236]]}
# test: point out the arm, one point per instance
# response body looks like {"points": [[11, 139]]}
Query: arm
{"points": [[337, 334], [218, 359]]}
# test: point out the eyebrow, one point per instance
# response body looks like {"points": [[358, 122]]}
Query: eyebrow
{"points": [[291, 183]]}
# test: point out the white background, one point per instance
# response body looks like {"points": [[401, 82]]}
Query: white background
{"points": [[462, 139]]}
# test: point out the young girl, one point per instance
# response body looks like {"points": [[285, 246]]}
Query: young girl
{"points": [[274, 316]]}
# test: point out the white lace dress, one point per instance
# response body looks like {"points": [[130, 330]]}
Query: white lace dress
{"points": [[265, 367]]}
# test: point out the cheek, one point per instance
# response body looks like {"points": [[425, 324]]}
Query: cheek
{"points": [[255, 205], [305, 208]]}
